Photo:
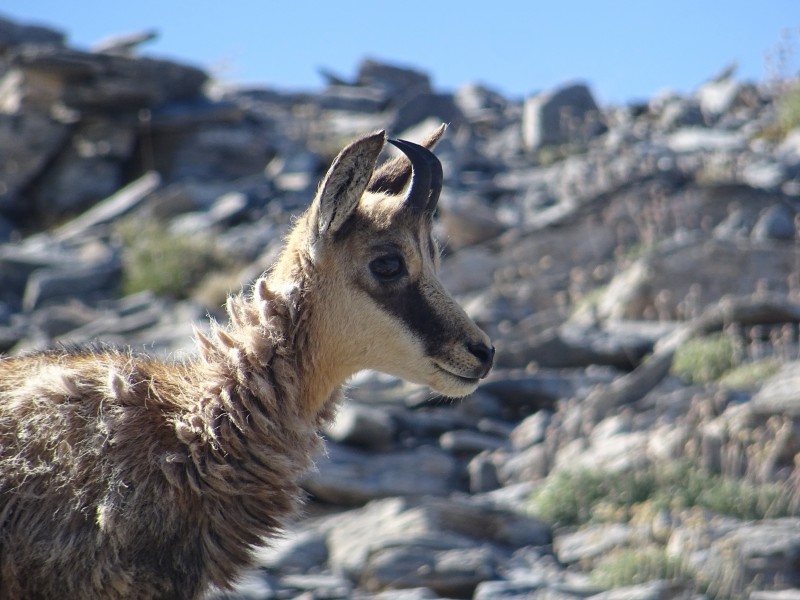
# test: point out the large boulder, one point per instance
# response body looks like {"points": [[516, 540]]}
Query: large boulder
{"points": [[397, 82], [350, 477], [28, 140], [566, 114], [680, 279], [17, 34], [448, 545], [108, 82]]}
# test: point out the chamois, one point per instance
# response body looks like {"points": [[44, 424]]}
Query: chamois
{"points": [[122, 476]]}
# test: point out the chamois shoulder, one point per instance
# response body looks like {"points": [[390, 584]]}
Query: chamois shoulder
{"points": [[96, 372]]}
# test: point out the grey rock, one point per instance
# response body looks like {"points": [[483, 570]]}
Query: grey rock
{"points": [[535, 391], [227, 209], [7, 230], [213, 152], [17, 262], [54, 321], [718, 97], [181, 197], [486, 407], [316, 585], [579, 347], [777, 223], [353, 99], [120, 203], [358, 533], [424, 106], [468, 270], [683, 278], [592, 542], [251, 586], [297, 551], [735, 225], [428, 423], [680, 113], [482, 472], [698, 139], [764, 174], [17, 34], [10, 336], [479, 104], [447, 571], [360, 425], [32, 139], [523, 393], [616, 453], [349, 477], [125, 44], [509, 590], [530, 464], [406, 594], [397, 82], [73, 184], [780, 395], [566, 114], [121, 322], [104, 81], [792, 594], [87, 281], [86, 171], [531, 430], [789, 149], [654, 590], [764, 553], [183, 115], [441, 523], [468, 221], [466, 441]]}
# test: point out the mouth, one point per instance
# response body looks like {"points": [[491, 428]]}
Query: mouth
{"points": [[472, 381]]}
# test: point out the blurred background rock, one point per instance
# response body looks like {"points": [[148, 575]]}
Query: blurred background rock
{"points": [[637, 266]]}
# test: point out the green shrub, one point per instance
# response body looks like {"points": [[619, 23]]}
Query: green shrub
{"points": [[789, 109], [705, 359], [577, 497], [787, 115], [166, 263], [683, 485], [750, 375], [572, 497], [629, 566]]}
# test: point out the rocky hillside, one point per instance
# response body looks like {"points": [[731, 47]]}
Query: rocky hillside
{"points": [[638, 268]]}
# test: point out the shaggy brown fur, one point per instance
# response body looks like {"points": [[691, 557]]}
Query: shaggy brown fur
{"points": [[125, 477]]}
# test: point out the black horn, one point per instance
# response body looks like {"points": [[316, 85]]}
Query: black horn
{"points": [[426, 179]]}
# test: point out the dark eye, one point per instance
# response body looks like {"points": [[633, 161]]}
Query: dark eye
{"points": [[388, 267]]}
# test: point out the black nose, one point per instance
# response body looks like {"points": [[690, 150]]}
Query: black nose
{"points": [[483, 353]]}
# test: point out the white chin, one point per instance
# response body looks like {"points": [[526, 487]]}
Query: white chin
{"points": [[452, 386]]}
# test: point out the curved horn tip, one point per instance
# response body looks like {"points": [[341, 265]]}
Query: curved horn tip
{"points": [[399, 143], [418, 193]]}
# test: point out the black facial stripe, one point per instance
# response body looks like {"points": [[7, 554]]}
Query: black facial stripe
{"points": [[410, 306]]}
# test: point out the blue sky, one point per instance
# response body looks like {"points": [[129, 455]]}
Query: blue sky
{"points": [[625, 50]]}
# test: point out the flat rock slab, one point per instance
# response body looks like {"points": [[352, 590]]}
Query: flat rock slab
{"points": [[350, 477], [780, 395], [437, 524]]}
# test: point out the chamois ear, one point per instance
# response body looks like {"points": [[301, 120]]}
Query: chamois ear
{"points": [[393, 175], [345, 182]]}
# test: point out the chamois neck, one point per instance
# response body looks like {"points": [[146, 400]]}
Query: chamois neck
{"points": [[269, 347]]}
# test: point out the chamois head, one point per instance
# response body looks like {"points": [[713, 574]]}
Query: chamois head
{"points": [[367, 260]]}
